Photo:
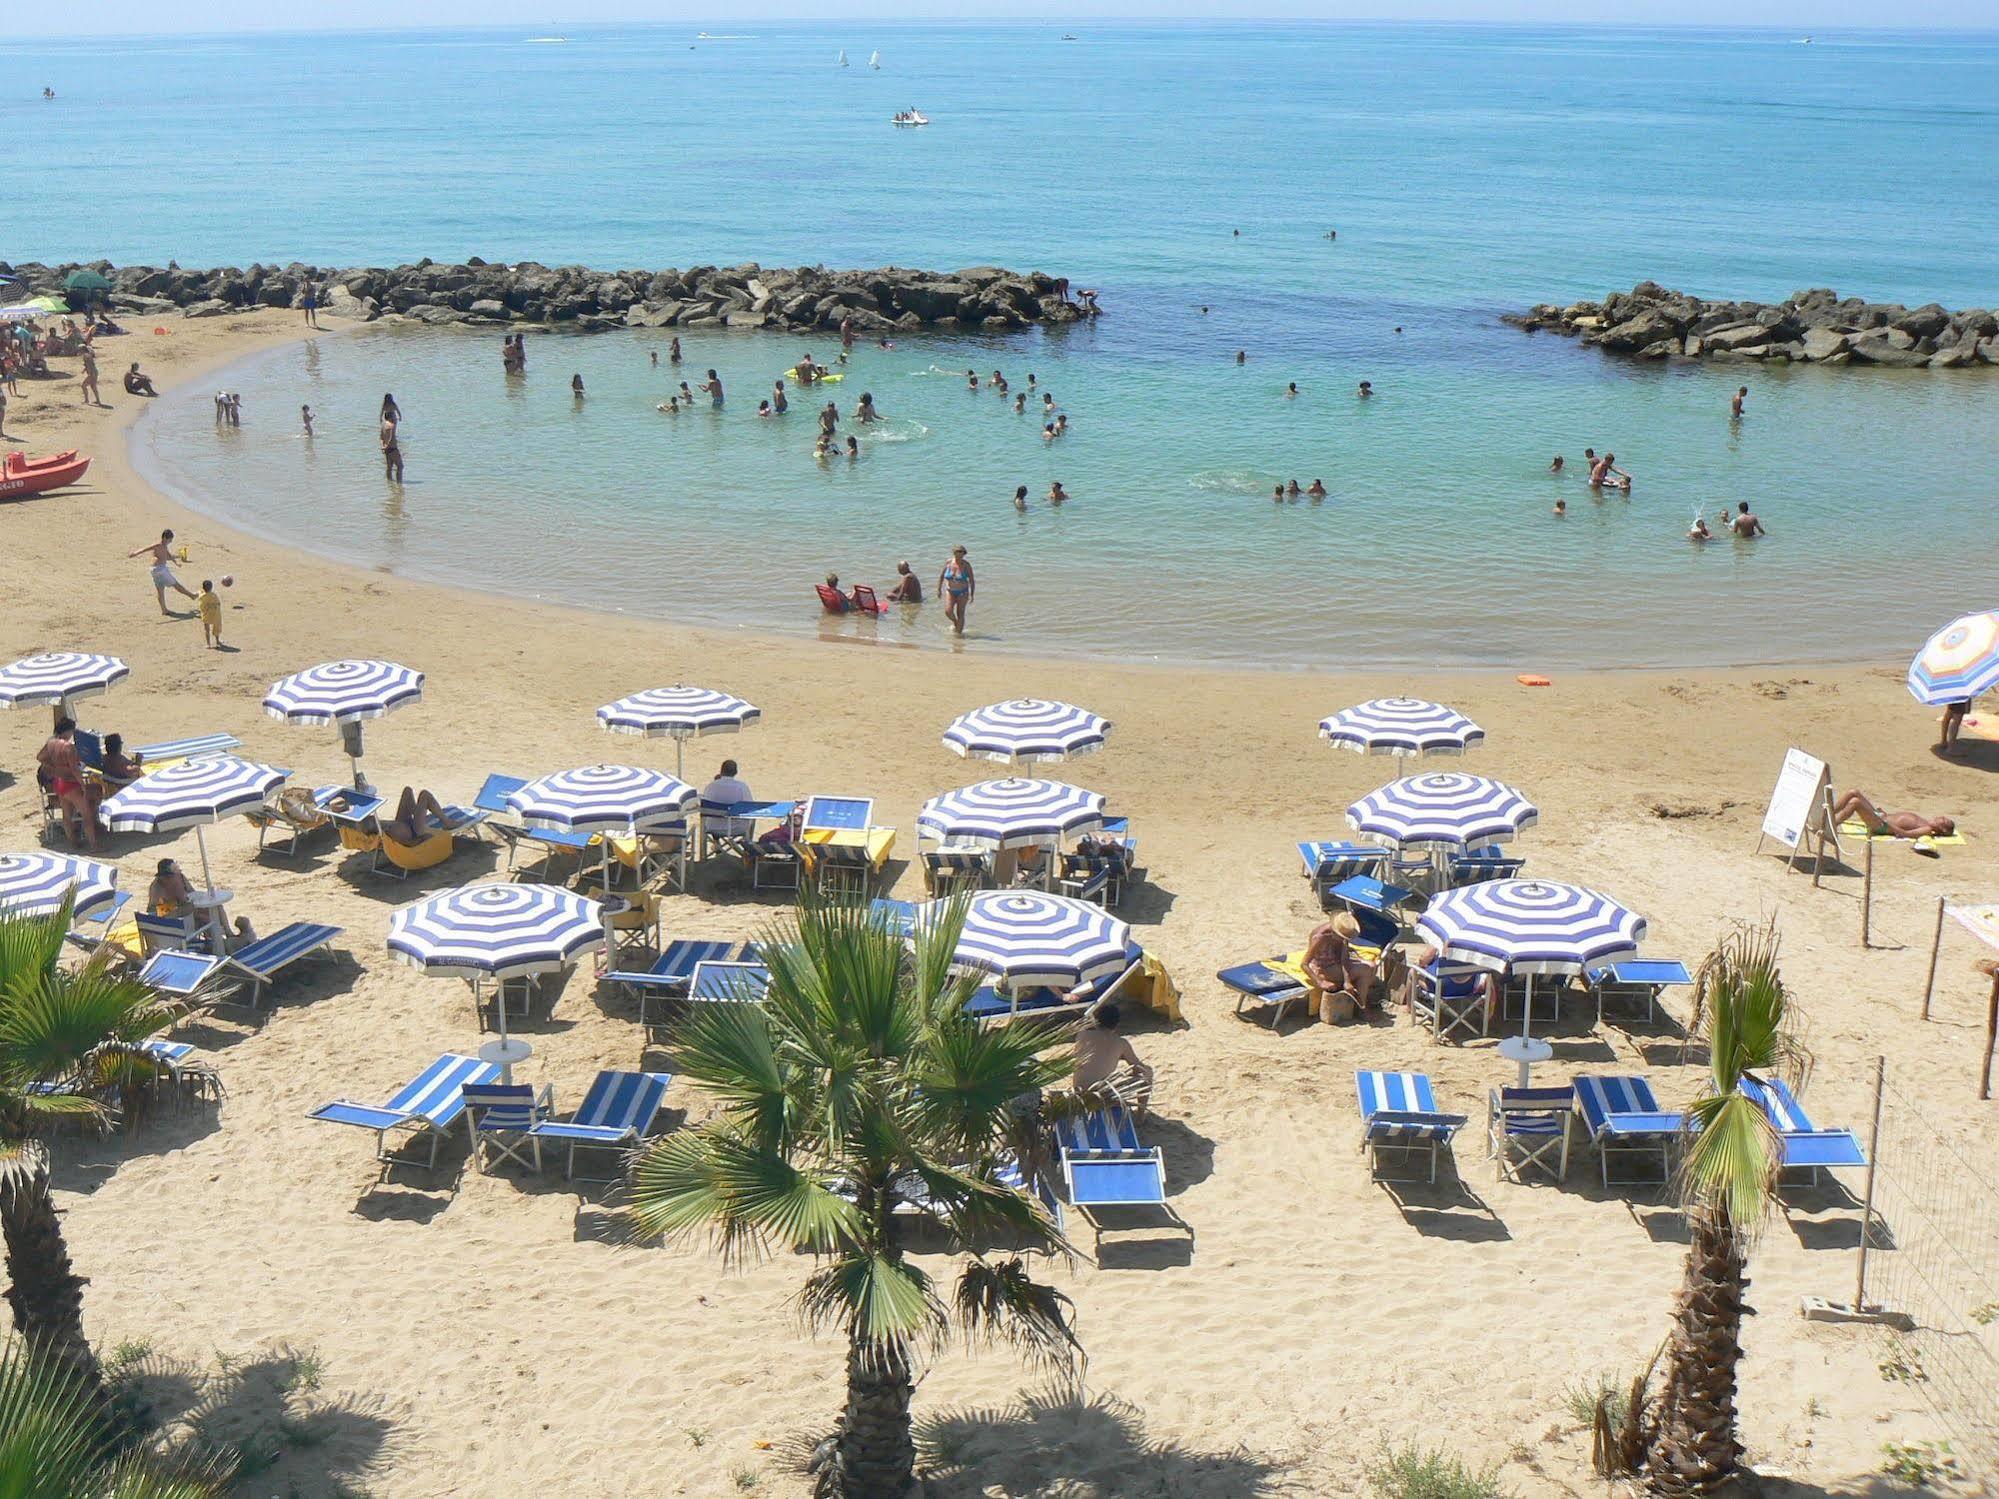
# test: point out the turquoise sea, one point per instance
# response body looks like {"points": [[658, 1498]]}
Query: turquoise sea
{"points": [[1468, 170]]}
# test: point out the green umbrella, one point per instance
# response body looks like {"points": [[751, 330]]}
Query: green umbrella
{"points": [[47, 304], [85, 281]]}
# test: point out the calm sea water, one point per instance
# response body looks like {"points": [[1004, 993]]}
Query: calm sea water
{"points": [[1469, 170]]}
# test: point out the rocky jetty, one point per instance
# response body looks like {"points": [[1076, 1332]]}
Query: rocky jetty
{"points": [[479, 294], [1813, 327]]}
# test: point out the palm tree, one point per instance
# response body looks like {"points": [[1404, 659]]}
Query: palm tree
{"points": [[1728, 1180], [856, 1084], [54, 1026], [55, 1443]]}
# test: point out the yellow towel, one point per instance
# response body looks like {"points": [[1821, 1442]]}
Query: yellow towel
{"points": [[1858, 832]]}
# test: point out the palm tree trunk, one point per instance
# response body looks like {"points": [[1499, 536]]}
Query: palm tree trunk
{"points": [[1695, 1447], [877, 1452], [44, 1291]]}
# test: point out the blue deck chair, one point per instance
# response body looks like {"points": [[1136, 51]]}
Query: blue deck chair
{"points": [[1623, 1117], [551, 842], [990, 1002], [194, 747], [739, 982], [503, 1116], [1524, 1126], [1104, 1166], [900, 915], [1476, 865], [1398, 1111], [169, 933], [429, 1103], [263, 960], [1382, 910], [1806, 1146], [188, 1073], [1263, 983], [615, 1114], [1450, 997], [1330, 862], [190, 981], [668, 975], [1644, 980]]}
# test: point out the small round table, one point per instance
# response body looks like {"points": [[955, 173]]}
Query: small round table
{"points": [[504, 1054], [213, 902], [1526, 1051]]}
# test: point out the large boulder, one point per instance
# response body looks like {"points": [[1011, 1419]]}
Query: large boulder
{"points": [[211, 307], [1822, 343], [1926, 321], [1738, 337], [1647, 328], [1887, 346], [934, 300]]}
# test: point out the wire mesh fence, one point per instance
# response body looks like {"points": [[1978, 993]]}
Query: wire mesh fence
{"points": [[1931, 1257]]}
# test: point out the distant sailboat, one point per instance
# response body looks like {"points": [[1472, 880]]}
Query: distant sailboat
{"points": [[875, 61], [843, 57]]}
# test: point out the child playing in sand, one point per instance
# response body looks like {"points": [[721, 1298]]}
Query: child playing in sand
{"points": [[209, 606]]}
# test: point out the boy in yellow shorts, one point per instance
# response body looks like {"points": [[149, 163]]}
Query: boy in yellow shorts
{"points": [[210, 608]]}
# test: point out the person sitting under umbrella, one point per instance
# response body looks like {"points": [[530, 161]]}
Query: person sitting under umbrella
{"points": [[171, 893], [1856, 806]]}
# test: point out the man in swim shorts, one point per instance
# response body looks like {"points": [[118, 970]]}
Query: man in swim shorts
{"points": [[61, 773], [161, 552]]}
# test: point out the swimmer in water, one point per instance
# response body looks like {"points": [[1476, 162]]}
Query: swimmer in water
{"points": [[1556, 466], [853, 448], [1292, 491], [576, 386], [1277, 493], [823, 448], [1698, 531], [829, 418], [971, 379], [673, 354], [655, 358], [1291, 391], [998, 382], [1735, 405], [1020, 404], [713, 385], [1056, 493], [1589, 461], [763, 409], [686, 395], [305, 418], [1047, 431], [1366, 389], [777, 400], [1317, 490], [1241, 355], [1745, 524], [865, 411], [882, 343], [1030, 379], [1061, 424], [1047, 404], [1020, 498], [671, 406], [1561, 507]]}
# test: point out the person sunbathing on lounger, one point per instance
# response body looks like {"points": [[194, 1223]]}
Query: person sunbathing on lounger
{"points": [[1342, 982], [1856, 806], [407, 826]]}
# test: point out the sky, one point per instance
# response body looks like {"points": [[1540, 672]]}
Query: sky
{"points": [[176, 17]]}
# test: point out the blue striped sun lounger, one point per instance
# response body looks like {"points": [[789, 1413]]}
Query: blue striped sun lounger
{"points": [[429, 1102], [1104, 1166], [668, 975], [615, 1114], [1806, 1146], [492, 801], [1398, 1111], [1644, 980], [728, 983], [189, 981], [1265, 984], [263, 960], [1624, 1118], [1331, 862], [194, 747], [1479, 864]]}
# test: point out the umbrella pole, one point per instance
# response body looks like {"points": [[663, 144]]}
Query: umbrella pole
{"points": [[679, 757], [201, 843], [1527, 1011]]}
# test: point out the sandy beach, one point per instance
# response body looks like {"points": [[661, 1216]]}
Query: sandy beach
{"points": [[478, 1329]]}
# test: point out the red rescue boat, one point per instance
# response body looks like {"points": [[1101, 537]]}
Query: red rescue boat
{"points": [[22, 475]]}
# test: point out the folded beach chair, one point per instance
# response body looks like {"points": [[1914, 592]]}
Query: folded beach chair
{"points": [[844, 868], [947, 870], [1450, 997], [773, 864], [1104, 1166], [429, 1102], [1806, 1146], [504, 823], [1331, 863], [1637, 980], [831, 599], [1624, 1118], [667, 976], [1398, 1111], [1525, 1126], [502, 1116], [1266, 984], [615, 1114], [109, 922]]}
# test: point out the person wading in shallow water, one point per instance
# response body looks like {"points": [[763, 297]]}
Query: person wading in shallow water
{"points": [[958, 585]]}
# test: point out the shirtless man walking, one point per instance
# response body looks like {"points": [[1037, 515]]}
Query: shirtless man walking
{"points": [[161, 552]]}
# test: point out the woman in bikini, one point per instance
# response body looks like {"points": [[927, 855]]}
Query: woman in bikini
{"points": [[957, 583]]}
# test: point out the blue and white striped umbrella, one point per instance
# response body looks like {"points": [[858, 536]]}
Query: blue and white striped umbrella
{"points": [[35, 884], [1401, 726], [1026, 938], [496, 932], [1442, 810], [190, 795], [58, 677], [680, 714], [1531, 926], [1027, 729], [1959, 662], [1013, 813], [343, 692], [605, 799]]}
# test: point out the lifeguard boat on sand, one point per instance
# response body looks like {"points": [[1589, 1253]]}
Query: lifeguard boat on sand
{"points": [[21, 475]]}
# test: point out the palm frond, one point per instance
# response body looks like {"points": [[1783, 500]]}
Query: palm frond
{"points": [[51, 1436], [50, 1023], [728, 1050], [1000, 1303], [30, 945], [933, 950], [718, 1180], [883, 1303], [968, 1076], [1732, 1160]]}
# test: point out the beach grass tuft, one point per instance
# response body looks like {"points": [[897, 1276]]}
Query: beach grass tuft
{"points": [[1410, 1472], [1922, 1464], [1583, 1397]]}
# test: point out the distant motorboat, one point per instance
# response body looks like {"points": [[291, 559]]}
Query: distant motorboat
{"points": [[910, 117], [1069, 36], [549, 40], [875, 61], [843, 57]]}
